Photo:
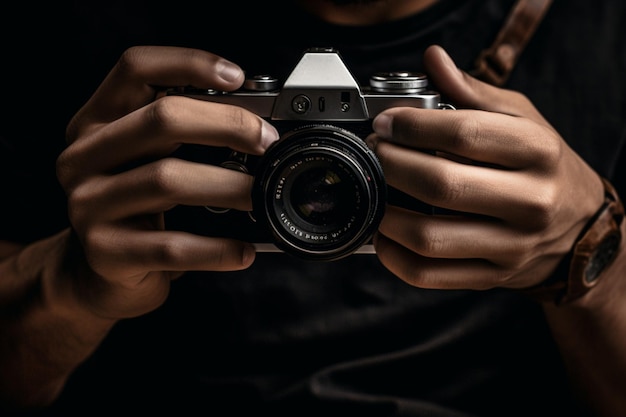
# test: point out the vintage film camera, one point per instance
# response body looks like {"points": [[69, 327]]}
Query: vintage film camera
{"points": [[319, 191]]}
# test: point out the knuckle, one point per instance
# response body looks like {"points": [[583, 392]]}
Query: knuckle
{"points": [[552, 151], [91, 241], [540, 207], [98, 248], [543, 146], [78, 203], [81, 124], [73, 208], [445, 188], [163, 176], [163, 114], [169, 252], [64, 167], [129, 61], [68, 168], [426, 241]]}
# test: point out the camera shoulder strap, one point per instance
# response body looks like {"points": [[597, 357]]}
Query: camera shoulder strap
{"points": [[495, 63]]}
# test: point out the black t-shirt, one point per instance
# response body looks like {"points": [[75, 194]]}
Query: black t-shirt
{"points": [[290, 337]]}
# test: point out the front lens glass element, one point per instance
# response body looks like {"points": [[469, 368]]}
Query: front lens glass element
{"points": [[321, 196], [321, 193]]}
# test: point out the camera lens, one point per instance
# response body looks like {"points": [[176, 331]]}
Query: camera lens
{"points": [[322, 196], [320, 191]]}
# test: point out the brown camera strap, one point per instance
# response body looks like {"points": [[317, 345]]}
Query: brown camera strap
{"points": [[495, 63]]}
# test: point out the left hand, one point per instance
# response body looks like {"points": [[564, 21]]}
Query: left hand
{"points": [[527, 194]]}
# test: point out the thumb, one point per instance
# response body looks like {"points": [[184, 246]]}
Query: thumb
{"points": [[465, 91]]}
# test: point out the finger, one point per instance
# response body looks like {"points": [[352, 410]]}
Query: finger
{"points": [[434, 273], [479, 136], [158, 129], [441, 182], [141, 252], [457, 237], [142, 71], [158, 187], [466, 91]]}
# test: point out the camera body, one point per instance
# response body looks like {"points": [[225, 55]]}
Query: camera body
{"points": [[319, 191]]}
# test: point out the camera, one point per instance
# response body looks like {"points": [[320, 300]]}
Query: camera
{"points": [[319, 191]]}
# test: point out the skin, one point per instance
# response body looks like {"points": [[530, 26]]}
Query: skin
{"points": [[533, 195]]}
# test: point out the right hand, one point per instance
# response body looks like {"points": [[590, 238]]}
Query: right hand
{"points": [[120, 180]]}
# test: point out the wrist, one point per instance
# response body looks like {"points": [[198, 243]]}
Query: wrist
{"points": [[47, 331]]}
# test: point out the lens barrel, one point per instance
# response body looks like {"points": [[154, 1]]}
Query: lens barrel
{"points": [[320, 191]]}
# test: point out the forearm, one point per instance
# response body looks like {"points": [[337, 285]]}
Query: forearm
{"points": [[45, 332], [591, 334]]}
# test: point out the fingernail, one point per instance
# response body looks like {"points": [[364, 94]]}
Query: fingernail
{"points": [[248, 255], [269, 134], [382, 125], [228, 71]]}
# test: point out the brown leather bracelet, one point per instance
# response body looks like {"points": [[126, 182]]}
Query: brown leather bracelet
{"points": [[594, 250]]}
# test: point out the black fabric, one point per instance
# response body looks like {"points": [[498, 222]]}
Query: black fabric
{"points": [[288, 337]]}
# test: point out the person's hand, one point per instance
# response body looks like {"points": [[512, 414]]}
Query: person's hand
{"points": [[527, 194], [120, 179]]}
